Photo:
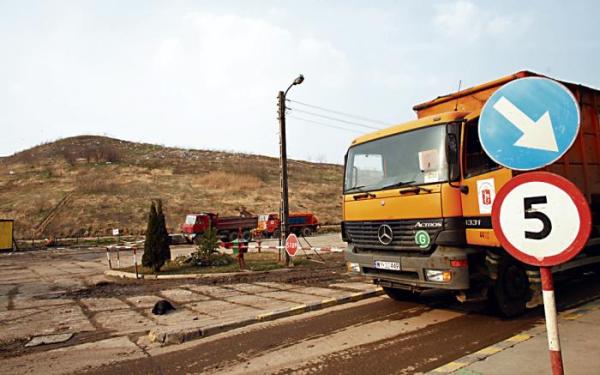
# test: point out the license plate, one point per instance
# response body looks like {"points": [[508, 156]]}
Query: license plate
{"points": [[392, 266]]}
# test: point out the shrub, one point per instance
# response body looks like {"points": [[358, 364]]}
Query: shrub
{"points": [[156, 246], [209, 242], [207, 253]]}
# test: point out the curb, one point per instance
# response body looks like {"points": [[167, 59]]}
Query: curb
{"points": [[484, 353], [180, 336], [131, 275]]}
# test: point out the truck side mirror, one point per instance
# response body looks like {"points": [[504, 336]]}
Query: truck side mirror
{"points": [[452, 149]]}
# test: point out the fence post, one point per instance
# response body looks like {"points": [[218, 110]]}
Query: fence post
{"points": [[258, 243], [118, 258], [135, 263], [108, 257]]}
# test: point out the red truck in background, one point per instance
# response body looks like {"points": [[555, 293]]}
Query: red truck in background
{"points": [[301, 223], [228, 227]]}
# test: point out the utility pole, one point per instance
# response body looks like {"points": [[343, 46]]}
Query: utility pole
{"points": [[283, 177], [283, 172]]}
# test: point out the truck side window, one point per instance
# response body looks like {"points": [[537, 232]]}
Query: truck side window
{"points": [[476, 160]]}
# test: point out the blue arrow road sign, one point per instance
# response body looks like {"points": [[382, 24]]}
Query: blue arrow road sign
{"points": [[529, 123]]}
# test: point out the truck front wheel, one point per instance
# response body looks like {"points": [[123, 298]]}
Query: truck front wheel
{"points": [[307, 231], [510, 292], [401, 294]]}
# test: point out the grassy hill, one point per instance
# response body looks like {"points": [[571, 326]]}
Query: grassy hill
{"points": [[88, 185]]}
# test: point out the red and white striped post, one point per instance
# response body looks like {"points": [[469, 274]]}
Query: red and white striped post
{"points": [[551, 321], [108, 257]]}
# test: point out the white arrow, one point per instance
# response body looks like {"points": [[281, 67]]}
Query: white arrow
{"points": [[536, 134]]}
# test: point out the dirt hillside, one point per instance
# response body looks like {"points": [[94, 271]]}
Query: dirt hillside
{"points": [[88, 185]]}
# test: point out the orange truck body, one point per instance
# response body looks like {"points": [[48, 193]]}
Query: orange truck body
{"points": [[461, 252]]}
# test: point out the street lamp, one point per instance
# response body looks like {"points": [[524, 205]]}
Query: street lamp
{"points": [[283, 173]]}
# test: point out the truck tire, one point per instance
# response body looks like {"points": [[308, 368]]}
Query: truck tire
{"points": [[232, 236], [246, 236], [401, 294], [510, 291], [307, 231]]}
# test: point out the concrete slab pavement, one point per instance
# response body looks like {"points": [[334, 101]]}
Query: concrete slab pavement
{"points": [[74, 358], [37, 308], [527, 352]]}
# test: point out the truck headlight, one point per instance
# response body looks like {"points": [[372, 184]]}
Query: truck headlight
{"points": [[353, 267], [438, 276]]}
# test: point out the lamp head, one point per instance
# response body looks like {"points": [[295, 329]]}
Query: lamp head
{"points": [[299, 80]]}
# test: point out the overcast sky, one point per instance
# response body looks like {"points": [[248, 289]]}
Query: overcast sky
{"points": [[206, 74]]}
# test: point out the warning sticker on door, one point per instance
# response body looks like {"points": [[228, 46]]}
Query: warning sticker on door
{"points": [[486, 192]]}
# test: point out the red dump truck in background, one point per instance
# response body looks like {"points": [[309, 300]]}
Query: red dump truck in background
{"points": [[301, 223], [228, 227]]}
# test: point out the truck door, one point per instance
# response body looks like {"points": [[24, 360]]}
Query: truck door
{"points": [[481, 180]]}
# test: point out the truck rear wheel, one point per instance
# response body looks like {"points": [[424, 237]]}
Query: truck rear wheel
{"points": [[232, 236], [307, 231], [401, 294], [510, 292], [246, 236]]}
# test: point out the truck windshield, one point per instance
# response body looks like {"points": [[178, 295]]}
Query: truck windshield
{"points": [[190, 219], [413, 158]]}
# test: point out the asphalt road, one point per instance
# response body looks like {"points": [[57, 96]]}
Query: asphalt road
{"points": [[374, 336]]}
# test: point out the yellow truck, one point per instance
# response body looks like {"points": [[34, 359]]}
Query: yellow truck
{"points": [[418, 197]]}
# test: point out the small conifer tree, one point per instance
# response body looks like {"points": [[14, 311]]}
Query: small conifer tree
{"points": [[156, 247]]}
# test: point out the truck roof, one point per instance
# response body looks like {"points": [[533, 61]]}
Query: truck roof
{"points": [[441, 108], [411, 125], [485, 86]]}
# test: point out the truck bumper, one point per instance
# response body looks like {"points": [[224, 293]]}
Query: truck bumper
{"points": [[412, 274]]}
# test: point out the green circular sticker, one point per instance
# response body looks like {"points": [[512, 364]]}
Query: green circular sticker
{"points": [[422, 239]]}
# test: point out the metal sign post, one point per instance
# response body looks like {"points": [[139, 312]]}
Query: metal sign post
{"points": [[551, 321]]}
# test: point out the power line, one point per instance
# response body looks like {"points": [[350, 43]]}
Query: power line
{"points": [[324, 124], [340, 112], [333, 118]]}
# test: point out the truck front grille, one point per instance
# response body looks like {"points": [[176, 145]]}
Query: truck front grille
{"points": [[364, 234]]}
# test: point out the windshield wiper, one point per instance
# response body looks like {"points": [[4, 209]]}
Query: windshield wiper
{"points": [[415, 189], [357, 188], [360, 189], [397, 184]]}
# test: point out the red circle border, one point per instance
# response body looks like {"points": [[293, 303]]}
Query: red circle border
{"points": [[579, 200]]}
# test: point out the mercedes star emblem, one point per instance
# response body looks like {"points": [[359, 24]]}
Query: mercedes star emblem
{"points": [[385, 234]]}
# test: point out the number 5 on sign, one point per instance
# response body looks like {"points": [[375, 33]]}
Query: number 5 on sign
{"points": [[530, 213]]}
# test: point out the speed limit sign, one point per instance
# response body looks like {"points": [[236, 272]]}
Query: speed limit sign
{"points": [[541, 219]]}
